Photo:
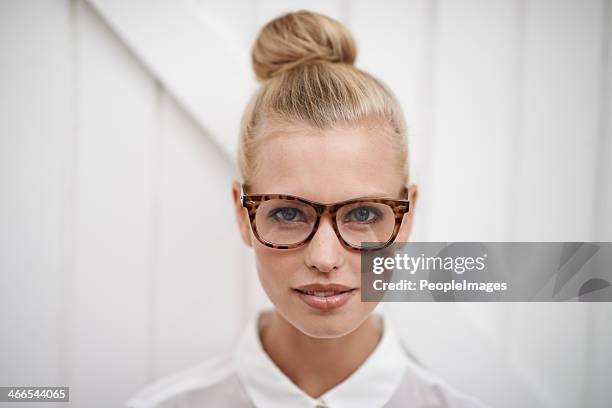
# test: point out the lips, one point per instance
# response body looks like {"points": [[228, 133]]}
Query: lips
{"points": [[325, 296]]}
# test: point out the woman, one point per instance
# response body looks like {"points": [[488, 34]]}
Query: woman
{"points": [[317, 131]]}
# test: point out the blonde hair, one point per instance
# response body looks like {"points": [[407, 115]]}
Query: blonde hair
{"points": [[304, 62]]}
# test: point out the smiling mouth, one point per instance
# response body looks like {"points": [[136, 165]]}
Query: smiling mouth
{"points": [[325, 297], [326, 293]]}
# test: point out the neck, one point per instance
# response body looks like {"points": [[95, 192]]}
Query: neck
{"points": [[317, 365]]}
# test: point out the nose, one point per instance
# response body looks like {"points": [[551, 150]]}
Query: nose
{"points": [[325, 251]]}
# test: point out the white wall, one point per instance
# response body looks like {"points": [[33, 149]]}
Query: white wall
{"points": [[117, 135]]}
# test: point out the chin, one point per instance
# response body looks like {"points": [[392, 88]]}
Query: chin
{"points": [[327, 325]]}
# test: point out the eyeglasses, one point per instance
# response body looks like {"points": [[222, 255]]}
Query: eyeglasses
{"points": [[284, 221]]}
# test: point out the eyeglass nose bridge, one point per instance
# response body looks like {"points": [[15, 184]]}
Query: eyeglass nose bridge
{"points": [[332, 210]]}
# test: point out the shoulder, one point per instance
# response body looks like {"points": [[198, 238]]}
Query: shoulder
{"points": [[206, 382], [430, 390]]}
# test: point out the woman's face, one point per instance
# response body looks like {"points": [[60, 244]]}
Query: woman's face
{"points": [[325, 166]]}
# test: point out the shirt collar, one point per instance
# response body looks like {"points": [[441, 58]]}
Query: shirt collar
{"points": [[371, 385]]}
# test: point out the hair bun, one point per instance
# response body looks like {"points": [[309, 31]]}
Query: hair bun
{"points": [[303, 36]]}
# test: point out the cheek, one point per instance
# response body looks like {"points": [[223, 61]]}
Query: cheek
{"points": [[274, 268]]}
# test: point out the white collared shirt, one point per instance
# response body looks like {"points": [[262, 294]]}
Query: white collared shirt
{"points": [[249, 378]]}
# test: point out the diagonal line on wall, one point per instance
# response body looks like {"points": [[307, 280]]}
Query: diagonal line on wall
{"points": [[192, 62]]}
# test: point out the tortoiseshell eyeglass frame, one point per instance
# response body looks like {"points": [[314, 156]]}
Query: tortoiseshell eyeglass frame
{"points": [[252, 202]]}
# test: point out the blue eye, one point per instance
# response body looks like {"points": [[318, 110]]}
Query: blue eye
{"points": [[287, 214], [363, 215]]}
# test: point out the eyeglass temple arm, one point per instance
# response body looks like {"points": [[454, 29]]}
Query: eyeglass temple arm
{"points": [[244, 197], [242, 193]]}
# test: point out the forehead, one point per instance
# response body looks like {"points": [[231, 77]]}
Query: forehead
{"points": [[327, 165]]}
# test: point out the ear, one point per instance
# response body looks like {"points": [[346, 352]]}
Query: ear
{"points": [[242, 216], [406, 227]]}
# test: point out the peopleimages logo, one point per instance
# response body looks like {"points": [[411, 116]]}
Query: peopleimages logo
{"points": [[413, 264]]}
